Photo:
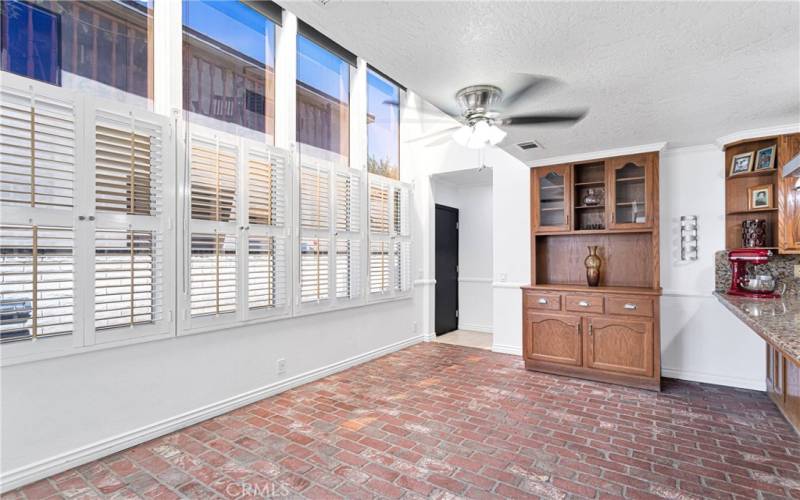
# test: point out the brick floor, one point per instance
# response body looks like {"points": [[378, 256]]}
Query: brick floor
{"points": [[443, 421]]}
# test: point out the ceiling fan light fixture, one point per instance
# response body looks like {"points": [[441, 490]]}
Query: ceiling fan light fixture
{"points": [[462, 135], [479, 135]]}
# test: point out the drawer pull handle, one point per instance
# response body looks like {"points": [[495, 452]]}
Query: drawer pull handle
{"points": [[543, 301], [583, 303], [630, 307]]}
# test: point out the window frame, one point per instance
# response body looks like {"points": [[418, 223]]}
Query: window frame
{"points": [[400, 98]]}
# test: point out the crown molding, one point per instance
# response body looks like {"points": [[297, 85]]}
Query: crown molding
{"points": [[631, 150], [756, 133]]}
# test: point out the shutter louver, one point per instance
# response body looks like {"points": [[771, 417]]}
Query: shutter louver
{"points": [[37, 287], [123, 170], [213, 274], [37, 150], [379, 208], [266, 190]]}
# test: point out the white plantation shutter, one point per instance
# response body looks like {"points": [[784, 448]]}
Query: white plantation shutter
{"points": [[347, 235], [133, 209], [315, 232], [389, 238], [39, 142], [266, 263], [213, 189]]}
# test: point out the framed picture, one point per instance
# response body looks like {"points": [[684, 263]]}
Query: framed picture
{"points": [[765, 159], [742, 163], [759, 197]]}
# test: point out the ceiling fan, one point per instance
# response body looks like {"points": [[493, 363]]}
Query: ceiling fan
{"points": [[483, 111]]}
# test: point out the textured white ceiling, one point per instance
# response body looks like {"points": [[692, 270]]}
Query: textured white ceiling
{"points": [[681, 72], [468, 177]]}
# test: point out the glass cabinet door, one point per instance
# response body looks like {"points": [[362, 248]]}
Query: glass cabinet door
{"points": [[630, 187], [550, 194]]}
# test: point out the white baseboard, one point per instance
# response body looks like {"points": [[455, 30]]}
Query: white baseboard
{"points": [[507, 349], [714, 378], [428, 337], [474, 327], [27, 474]]}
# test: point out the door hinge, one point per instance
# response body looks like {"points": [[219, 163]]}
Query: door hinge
{"points": [[457, 226], [456, 313], [456, 269]]}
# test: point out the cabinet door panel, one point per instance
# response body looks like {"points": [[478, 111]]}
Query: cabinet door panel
{"points": [[620, 345], [553, 338], [550, 196], [788, 197], [630, 185]]}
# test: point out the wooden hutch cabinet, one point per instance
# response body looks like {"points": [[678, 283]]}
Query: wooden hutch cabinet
{"points": [[610, 332]]}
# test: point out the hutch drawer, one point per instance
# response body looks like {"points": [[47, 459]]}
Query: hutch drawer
{"points": [[584, 303], [544, 301], [630, 306]]}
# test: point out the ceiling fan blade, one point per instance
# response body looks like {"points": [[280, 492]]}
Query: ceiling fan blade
{"points": [[532, 85], [544, 119], [434, 135], [438, 142]]}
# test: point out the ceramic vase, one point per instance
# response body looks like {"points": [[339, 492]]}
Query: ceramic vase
{"points": [[593, 263]]}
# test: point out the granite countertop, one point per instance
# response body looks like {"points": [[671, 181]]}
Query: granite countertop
{"points": [[776, 320]]}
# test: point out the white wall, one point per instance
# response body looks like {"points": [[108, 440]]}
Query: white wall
{"points": [[474, 202], [700, 339]]}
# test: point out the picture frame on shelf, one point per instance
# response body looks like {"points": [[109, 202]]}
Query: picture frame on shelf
{"points": [[765, 159], [759, 197], [741, 163]]}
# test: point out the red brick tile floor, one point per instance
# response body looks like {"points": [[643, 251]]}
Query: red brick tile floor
{"points": [[444, 421]]}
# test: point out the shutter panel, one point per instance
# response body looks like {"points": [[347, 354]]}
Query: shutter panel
{"points": [[266, 264], [214, 161], [379, 208], [213, 274], [315, 233], [347, 202], [127, 290], [401, 228], [133, 206], [379, 267], [39, 137], [314, 197], [314, 269], [37, 287], [213, 166], [37, 149], [402, 266]]}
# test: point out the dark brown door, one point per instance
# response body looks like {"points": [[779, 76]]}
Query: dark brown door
{"points": [[446, 319], [620, 345], [553, 338], [629, 184], [550, 194]]}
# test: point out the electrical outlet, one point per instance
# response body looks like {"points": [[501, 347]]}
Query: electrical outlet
{"points": [[281, 366], [797, 270], [503, 277]]}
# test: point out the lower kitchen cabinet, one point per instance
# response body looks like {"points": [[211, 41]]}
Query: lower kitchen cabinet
{"points": [[597, 336], [783, 384], [553, 338], [619, 345]]}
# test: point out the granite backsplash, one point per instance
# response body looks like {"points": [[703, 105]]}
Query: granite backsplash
{"points": [[780, 266]]}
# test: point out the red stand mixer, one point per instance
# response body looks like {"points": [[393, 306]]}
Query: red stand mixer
{"points": [[742, 284]]}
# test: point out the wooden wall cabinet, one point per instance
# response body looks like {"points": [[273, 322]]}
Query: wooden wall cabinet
{"points": [[783, 216], [788, 197], [550, 192], [611, 332]]}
